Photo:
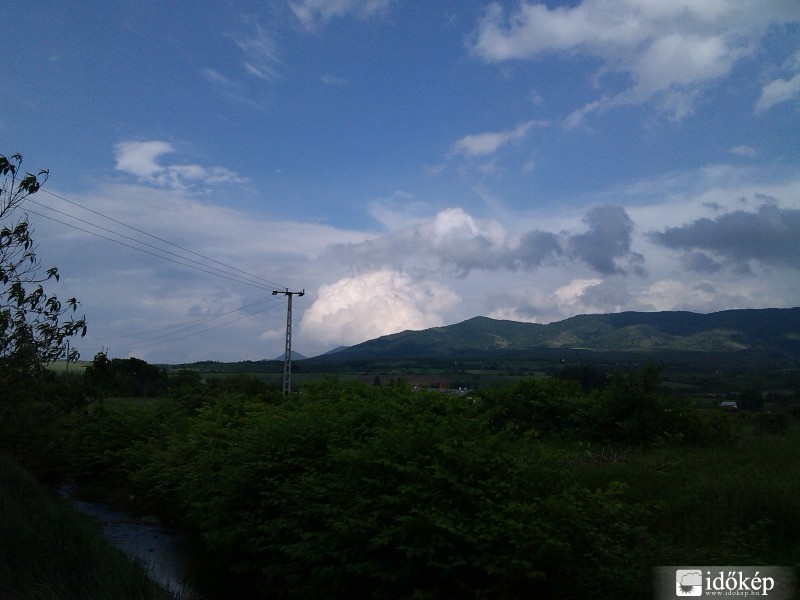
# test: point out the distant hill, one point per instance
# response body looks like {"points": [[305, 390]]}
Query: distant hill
{"points": [[771, 330], [295, 356]]}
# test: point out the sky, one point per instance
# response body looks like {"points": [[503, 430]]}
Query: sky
{"points": [[407, 164]]}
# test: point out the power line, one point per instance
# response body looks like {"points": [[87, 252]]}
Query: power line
{"points": [[175, 332], [148, 344], [187, 324], [155, 237], [101, 228], [230, 278]]}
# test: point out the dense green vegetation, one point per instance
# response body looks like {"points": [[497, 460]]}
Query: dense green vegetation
{"points": [[538, 488]]}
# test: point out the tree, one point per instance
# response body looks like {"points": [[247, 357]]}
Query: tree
{"points": [[751, 399], [34, 326]]}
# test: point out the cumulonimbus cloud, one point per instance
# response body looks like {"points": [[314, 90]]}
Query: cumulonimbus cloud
{"points": [[372, 304]]}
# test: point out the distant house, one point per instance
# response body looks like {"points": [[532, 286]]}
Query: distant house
{"points": [[729, 406]]}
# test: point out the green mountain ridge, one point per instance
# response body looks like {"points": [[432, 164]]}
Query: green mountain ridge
{"points": [[770, 330]]}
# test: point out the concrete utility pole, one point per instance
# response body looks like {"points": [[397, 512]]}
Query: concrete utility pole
{"points": [[287, 357]]}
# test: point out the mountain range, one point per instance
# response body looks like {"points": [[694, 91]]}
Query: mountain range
{"points": [[769, 330]]}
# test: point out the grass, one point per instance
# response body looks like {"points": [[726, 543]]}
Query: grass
{"points": [[61, 366], [720, 504], [48, 551]]}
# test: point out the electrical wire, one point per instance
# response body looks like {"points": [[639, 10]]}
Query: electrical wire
{"points": [[187, 324], [207, 329], [125, 237], [155, 237], [174, 332], [230, 278]]}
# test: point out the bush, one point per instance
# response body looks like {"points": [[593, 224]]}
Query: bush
{"points": [[545, 405], [773, 423], [353, 490], [348, 489]]}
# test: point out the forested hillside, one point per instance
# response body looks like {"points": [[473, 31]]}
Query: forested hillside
{"points": [[765, 330]]}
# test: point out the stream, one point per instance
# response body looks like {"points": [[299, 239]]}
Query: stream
{"points": [[165, 552]]}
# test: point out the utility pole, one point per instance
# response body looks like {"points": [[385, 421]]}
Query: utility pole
{"points": [[287, 357]]}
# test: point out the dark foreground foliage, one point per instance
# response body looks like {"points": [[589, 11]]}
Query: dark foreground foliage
{"points": [[536, 490], [48, 551]]}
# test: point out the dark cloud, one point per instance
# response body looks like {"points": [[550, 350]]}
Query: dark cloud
{"points": [[769, 235], [700, 262], [455, 241], [608, 293], [534, 248], [608, 239]]}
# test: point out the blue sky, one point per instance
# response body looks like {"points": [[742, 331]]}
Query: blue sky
{"points": [[408, 164]]}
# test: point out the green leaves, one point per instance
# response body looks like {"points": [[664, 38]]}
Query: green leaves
{"points": [[34, 326], [9, 166], [381, 492]]}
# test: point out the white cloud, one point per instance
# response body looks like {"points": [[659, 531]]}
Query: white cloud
{"points": [[329, 79], [671, 294], [483, 144], [777, 91], [399, 211], [743, 150], [260, 63], [232, 89], [355, 309], [124, 291], [140, 159], [679, 60], [572, 292], [428, 268], [550, 301], [312, 13], [670, 51], [260, 49]]}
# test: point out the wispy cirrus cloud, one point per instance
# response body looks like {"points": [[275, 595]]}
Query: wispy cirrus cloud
{"points": [[258, 64], [261, 52], [329, 79], [235, 90], [743, 150]]}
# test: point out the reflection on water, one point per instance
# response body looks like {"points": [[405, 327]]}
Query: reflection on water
{"points": [[162, 550]]}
